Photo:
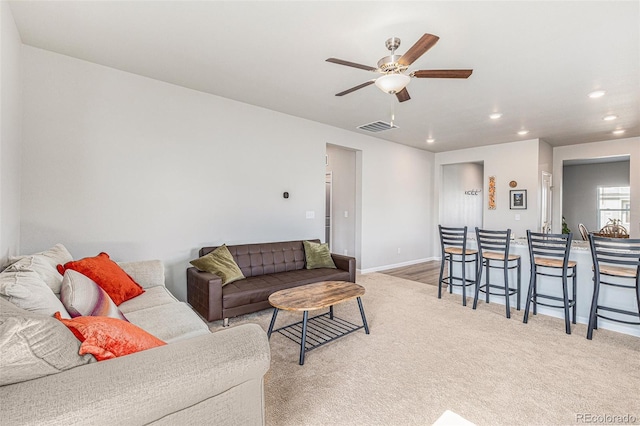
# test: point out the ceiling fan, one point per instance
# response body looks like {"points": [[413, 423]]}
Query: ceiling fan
{"points": [[393, 68]]}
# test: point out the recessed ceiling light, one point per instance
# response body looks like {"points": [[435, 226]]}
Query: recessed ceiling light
{"points": [[609, 117], [431, 140], [495, 115], [523, 132], [597, 94], [618, 132]]}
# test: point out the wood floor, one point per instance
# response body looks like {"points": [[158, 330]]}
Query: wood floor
{"points": [[426, 272]]}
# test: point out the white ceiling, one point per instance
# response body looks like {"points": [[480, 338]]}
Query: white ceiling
{"points": [[533, 61]]}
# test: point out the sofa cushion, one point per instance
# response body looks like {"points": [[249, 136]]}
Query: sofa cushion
{"points": [[108, 275], [107, 338], [170, 322], [221, 263], [82, 296], [266, 258], [27, 290], [258, 288], [34, 345], [317, 255], [44, 263], [154, 296]]}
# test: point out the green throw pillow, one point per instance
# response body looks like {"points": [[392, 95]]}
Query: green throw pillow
{"points": [[220, 262], [317, 255]]}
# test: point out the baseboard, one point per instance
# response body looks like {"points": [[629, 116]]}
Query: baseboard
{"points": [[395, 265]]}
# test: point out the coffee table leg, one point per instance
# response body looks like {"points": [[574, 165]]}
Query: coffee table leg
{"points": [[331, 312], [273, 321], [364, 319], [305, 317]]}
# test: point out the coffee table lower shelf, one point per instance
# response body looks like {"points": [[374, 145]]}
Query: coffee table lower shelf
{"points": [[321, 329]]}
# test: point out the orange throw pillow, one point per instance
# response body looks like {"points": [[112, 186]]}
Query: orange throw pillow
{"points": [[106, 337], [108, 275]]}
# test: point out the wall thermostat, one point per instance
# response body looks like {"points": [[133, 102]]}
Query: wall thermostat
{"points": [[285, 195]]}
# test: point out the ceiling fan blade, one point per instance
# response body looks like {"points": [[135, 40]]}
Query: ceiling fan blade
{"points": [[403, 95], [351, 64], [353, 89], [442, 73], [425, 43]]}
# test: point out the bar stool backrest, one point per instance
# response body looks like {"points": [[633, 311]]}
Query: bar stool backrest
{"points": [[549, 246], [456, 237], [621, 252], [497, 241]]}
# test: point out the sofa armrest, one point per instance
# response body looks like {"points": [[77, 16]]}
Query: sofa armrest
{"points": [[147, 273], [150, 385], [204, 293], [346, 263]]}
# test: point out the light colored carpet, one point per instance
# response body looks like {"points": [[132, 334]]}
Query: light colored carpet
{"points": [[425, 356]]}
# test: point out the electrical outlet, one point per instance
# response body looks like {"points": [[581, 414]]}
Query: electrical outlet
{"points": [[346, 252], [517, 217], [346, 213], [311, 214], [398, 250]]}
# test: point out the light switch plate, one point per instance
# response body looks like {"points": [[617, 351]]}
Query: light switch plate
{"points": [[311, 214]]}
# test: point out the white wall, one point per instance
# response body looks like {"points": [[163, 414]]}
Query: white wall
{"points": [[610, 148], [342, 165], [461, 204], [509, 161], [10, 134], [142, 169]]}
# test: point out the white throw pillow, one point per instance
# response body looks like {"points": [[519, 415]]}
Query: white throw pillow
{"points": [[28, 291], [83, 297], [33, 346], [44, 263]]}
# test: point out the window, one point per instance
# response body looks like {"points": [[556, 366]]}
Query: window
{"points": [[614, 202]]}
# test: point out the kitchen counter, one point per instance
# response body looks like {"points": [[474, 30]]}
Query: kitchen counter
{"points": [[581, 254]]}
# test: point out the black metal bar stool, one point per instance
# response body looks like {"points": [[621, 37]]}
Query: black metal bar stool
{"points": [[613, 258], [549, 253], [494, 246], [453, 242]]}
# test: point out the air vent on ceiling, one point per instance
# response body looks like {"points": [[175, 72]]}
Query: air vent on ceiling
{"points": [[377, 126]]}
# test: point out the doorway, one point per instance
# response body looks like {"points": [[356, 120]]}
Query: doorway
{"points": [[341, 216]]}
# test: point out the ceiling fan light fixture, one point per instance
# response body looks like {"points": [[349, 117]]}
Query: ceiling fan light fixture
{"points": [[392, 83]]}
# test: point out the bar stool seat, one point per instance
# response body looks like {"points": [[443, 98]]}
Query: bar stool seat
{"points": [[617, 271], [457, 250], [453, 243], [498, 256], [494, 246], [549, 256], [617, 259], [552, 263]]}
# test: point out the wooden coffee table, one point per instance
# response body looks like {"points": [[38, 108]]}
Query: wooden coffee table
{"points": [[314, 332]]}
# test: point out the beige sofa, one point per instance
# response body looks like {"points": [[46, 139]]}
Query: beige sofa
{"points": [[198, 378]]}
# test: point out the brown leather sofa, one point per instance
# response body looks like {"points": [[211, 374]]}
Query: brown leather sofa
{"points": [[268, 267]]}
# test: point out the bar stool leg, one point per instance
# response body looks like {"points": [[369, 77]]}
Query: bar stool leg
{"points": [[444, 260], [519, 270], [506, 291], [450, 273], [488, 280], [479, 265], [464, 279], [527, 304], [593, 319], [565, 296], [535, 295], [575, 288]]}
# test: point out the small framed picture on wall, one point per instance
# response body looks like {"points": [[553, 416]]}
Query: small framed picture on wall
{"points": [[518, 199]]}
